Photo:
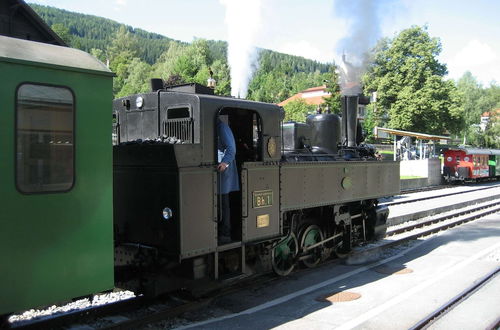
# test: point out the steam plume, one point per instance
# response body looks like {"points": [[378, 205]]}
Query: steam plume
{"points": [[243, 19], [364, 31]]}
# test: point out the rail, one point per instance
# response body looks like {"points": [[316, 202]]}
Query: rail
{"points": [[445, 308]]}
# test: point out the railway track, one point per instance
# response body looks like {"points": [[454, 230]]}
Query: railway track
{"points": [[57, 320], [416, 229], [462, 215], [455, 301], [161, 311], [406, 201], [124, 314]]}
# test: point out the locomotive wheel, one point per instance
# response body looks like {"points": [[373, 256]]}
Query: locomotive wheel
{"points": [[283, 255], [340, 252], [310, 236], [343, 247]]}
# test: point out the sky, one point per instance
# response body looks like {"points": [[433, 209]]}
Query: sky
{"points": [[323, 29]]}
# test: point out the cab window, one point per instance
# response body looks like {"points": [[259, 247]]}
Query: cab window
{"points": [[44, 138]]}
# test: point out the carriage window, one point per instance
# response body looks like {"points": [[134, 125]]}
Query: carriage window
{"points": [[44, 139]]}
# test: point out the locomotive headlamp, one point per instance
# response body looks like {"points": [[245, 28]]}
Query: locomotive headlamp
{"points": [[167, 213], [139, 102]]}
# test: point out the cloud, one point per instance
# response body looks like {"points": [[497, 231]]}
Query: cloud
{"points": [[475, 53], [121, 2], [477, 57]]}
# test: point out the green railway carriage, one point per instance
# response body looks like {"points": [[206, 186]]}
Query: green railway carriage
{"points": [[56, 236]]}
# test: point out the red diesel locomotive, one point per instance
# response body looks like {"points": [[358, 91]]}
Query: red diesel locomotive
{"points": [[471, 164]]}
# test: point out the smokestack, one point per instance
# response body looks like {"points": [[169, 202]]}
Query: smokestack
{"points": [[349, 119], [156, 84]]}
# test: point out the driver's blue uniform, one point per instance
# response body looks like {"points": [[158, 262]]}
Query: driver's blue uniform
{"points": [[227, 151], [228, 179]]}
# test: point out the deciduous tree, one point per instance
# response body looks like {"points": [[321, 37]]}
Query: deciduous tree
{"points": [[138, 78], [409, 83], [492, 133], [122, 50], [298, 110], [63, 33], [333, 87]]}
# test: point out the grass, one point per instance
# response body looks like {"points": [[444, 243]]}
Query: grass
{"points": [[409, 177]]}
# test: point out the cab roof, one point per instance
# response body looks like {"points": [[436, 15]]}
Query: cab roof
{"points": [[42, 54]]}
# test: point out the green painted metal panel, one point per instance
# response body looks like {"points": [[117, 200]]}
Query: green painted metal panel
{"points": [[56, 246]]}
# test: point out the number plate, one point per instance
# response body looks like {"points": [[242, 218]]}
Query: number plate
{"points": [[263, 221], [263, 198]]}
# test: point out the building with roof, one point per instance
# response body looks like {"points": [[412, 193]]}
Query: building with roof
{"points": [[313, 96], [316, 96], [19, 20], [486, 117]]}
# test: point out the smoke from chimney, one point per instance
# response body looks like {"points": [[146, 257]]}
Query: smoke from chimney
{"points": [[243, 19], [363, 33]]}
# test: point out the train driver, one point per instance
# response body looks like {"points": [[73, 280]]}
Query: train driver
{"points": [[228, 178]]}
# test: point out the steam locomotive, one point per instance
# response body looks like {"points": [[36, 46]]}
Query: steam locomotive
{"points": [[307, 190], [82, 216]]}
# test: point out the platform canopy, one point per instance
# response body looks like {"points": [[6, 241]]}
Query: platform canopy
{"points": [[420, 136]]}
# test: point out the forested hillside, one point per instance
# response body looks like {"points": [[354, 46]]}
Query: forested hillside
{"points": [[136, 56], [89, 32]]}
